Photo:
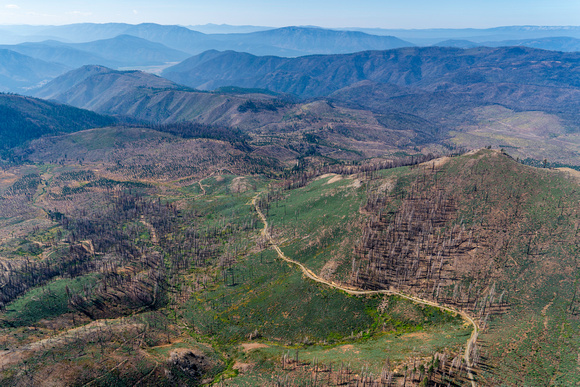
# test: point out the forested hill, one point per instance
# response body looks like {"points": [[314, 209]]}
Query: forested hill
{"points": [[25, 118]]}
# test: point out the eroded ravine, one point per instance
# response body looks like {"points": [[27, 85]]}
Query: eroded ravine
{"points": [[351, 290]]}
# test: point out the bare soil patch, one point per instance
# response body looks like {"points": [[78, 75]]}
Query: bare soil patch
{"points": [[249, 346], [326, 176], [572, 173], [240, 185], [243, 367], [356, 184], [334, 179], [436, 163], [329, 269]]}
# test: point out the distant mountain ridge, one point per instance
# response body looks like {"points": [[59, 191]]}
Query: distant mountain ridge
{"points": [[287, 41], [130, 50], [57, 52], [211, 28], [319, 75], [561, 43], [20, 72], [122, 50], [309, 40], [431, 36], [196, 39]]}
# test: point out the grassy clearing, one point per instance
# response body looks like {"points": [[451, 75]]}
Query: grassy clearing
{"points": [[317, 224], [371, 354], [271, 300], [44, 302], [107, 138]]}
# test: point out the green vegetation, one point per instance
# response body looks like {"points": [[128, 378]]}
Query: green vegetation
{"points": [[44, 302], [157, 282], [25, 119], [263, 297], [318, 222]]}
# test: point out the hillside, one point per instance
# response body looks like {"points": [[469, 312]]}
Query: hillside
{"points": [[419, 67], [453, 92], [51, 51], [146, 97], [91, 87], [20, 72], [25, 119], [475, 232], [528, 120], [200, 295], [327, 128]]}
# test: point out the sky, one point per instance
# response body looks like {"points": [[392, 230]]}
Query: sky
{"points": [[277, 13]]}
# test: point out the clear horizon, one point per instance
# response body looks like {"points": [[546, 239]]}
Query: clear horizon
{"points": [[412, 14]]}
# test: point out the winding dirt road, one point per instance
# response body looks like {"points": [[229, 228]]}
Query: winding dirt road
{"points": [[351, 290]]}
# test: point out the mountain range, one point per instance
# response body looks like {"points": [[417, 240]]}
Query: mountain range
{"points": [[431, 94], [287, 41], [565, 43], [19, 72], [120, 51], [429, 68], [83, 32], [430, 36], [49, 51]]}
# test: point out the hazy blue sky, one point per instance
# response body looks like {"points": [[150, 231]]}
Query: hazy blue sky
{"points": [[325, 13]]}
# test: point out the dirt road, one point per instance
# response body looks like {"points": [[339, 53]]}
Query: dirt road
{"points": [[351, 290]]}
